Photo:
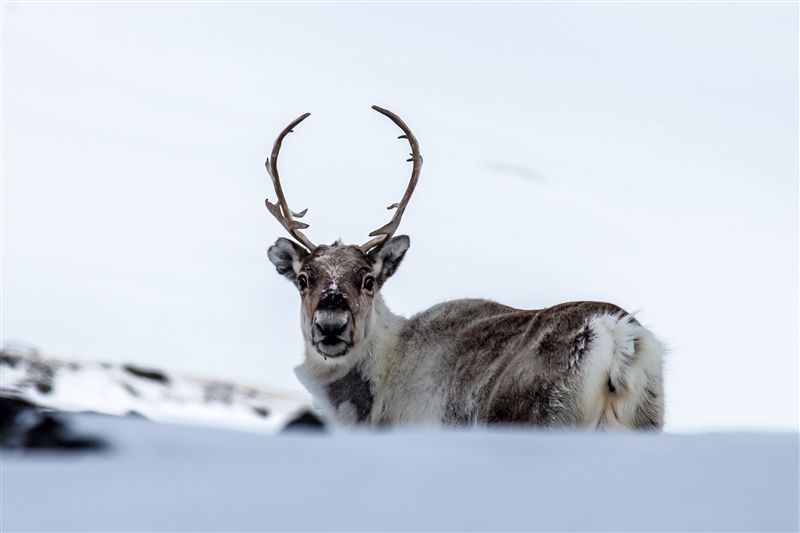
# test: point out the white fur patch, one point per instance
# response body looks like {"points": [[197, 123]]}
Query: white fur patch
{"points": [[624, 355]]}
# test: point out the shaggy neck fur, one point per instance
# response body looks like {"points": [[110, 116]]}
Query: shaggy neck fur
{"points": [[345, 388]]}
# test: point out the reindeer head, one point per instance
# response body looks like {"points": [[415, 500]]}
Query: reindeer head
{"points": [[338, 284]]}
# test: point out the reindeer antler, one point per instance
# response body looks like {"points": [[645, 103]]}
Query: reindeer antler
{"points": [[280, 209], [384, 233]]}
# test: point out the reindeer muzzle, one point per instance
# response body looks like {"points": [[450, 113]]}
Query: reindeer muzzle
{"points": [[333, 331]]}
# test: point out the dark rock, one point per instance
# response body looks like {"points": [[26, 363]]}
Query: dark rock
{"points": [[10, 409], [147, 373], [41, 375], [10, 359], [130, 389], [306, 421], [261, 411], [26, 426]]}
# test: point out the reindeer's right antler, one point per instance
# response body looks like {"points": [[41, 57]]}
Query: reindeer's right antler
{"points": [[280, 209], [384, 233]]}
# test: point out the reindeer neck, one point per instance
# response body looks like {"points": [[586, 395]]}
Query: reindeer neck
{"points": [[383, 331], [345, 387]]}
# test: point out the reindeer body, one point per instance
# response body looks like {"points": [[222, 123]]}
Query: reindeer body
{"points": [[465, 362], [476, 362]]}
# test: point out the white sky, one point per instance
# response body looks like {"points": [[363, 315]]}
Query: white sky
{"points": [[655, 148]]}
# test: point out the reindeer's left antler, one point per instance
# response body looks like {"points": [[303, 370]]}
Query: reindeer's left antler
{"points": [[384, 233]]}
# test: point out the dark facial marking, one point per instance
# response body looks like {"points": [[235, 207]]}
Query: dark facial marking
{"points": [[333, 300]]}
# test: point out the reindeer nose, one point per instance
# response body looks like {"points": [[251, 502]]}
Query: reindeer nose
{"points": [[331, 328], [331, 318]]}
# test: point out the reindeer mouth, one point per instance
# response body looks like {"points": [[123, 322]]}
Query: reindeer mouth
{"points": [[332, 347]]}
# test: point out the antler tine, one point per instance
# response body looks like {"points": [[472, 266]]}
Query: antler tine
{"points": [[384, 233], [280, 210]]}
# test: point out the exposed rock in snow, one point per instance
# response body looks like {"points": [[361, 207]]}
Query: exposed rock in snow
{"points": [[64, 385], [28, 426]]}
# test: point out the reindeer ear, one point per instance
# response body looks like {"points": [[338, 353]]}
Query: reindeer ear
{"points": [[387, 258], [287, 257]]}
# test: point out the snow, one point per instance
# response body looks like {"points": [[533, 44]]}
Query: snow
{"points": [[119, 389], [162, 477]]}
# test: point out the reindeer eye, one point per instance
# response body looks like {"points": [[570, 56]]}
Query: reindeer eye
{"points": [[302, 282], [369, 283]]}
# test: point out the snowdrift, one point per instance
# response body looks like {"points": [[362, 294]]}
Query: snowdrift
{"points": [[68, 470], [171, 478]]}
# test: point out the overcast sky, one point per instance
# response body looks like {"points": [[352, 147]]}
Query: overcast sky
{"points": [[643, 154]]}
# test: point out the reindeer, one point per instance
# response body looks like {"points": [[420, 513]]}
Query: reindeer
{"points": [[464, 362]]}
